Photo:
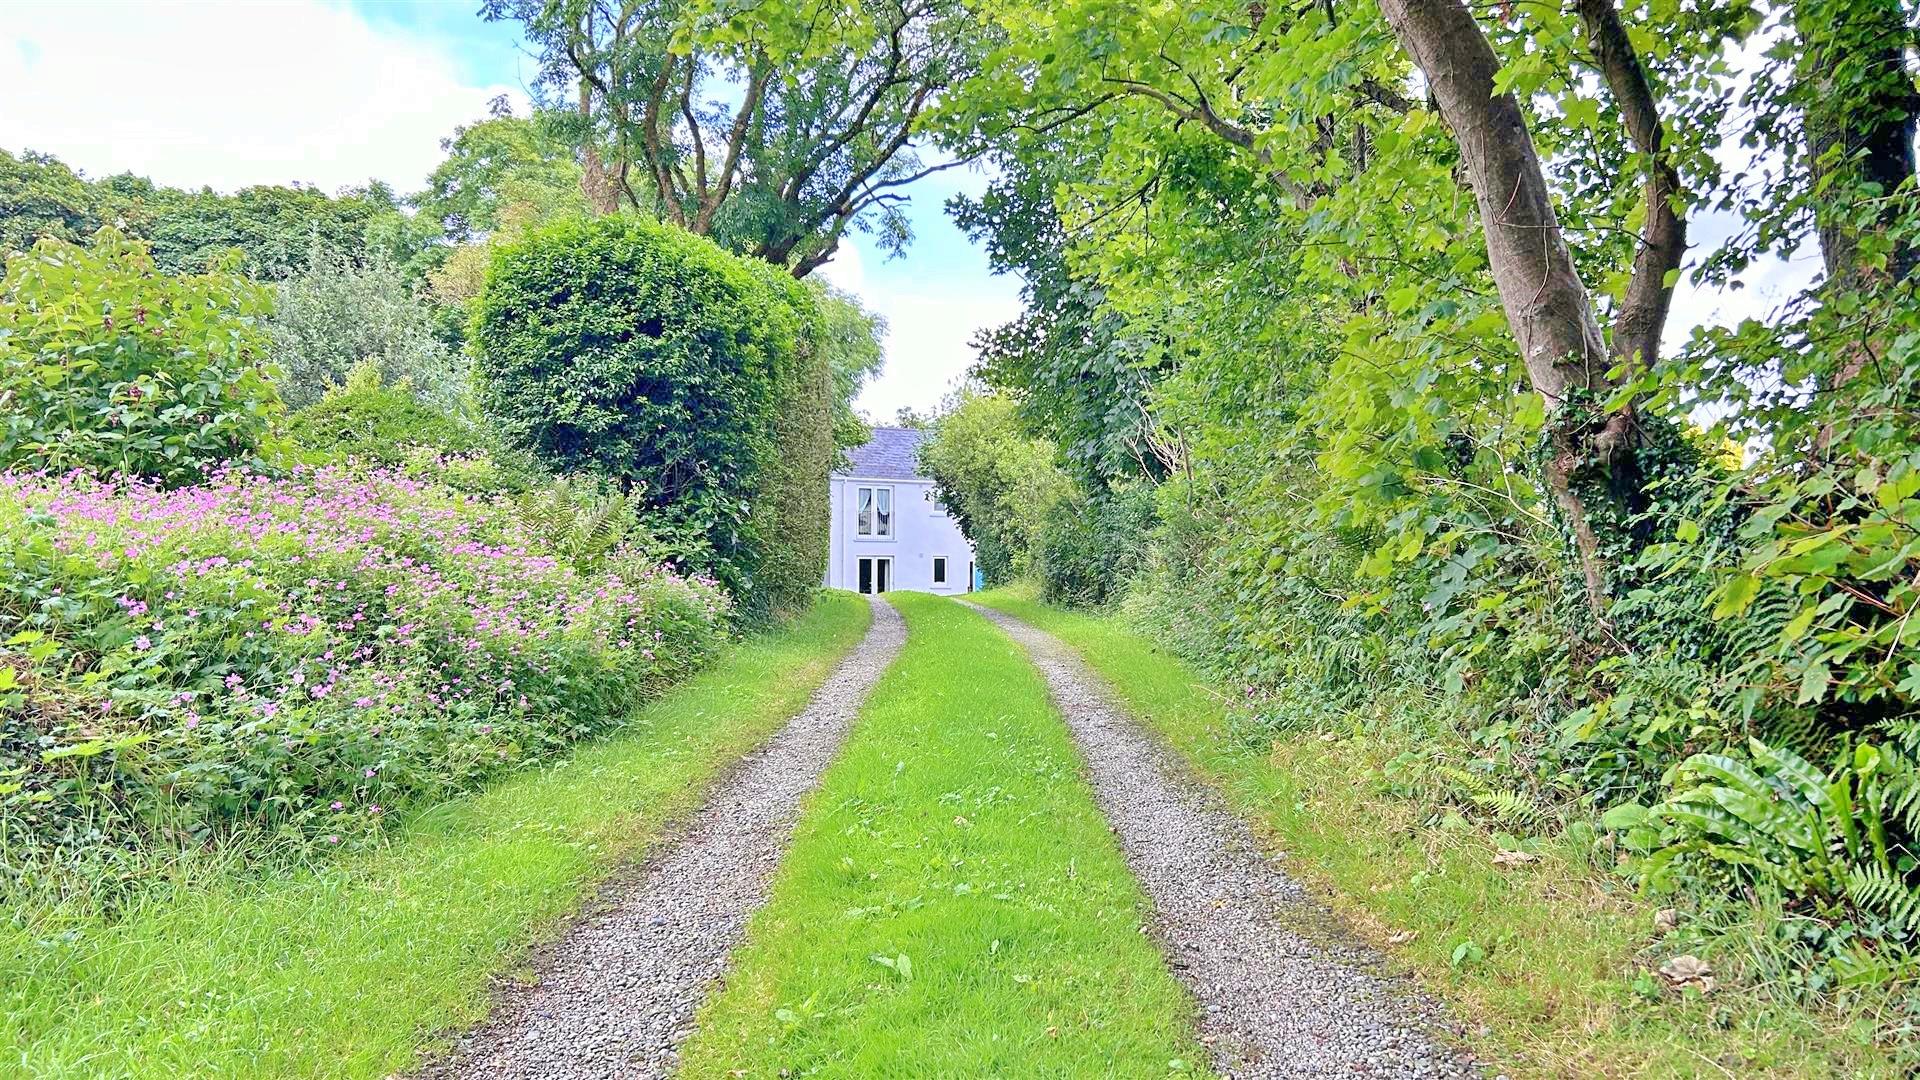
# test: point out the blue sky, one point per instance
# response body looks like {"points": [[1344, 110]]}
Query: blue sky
{"points": [[332, 94]]}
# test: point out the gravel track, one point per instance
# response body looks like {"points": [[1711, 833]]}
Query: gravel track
{"points": [[1283, 990], [616, 995]]}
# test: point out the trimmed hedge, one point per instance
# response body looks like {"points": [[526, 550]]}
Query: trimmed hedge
{"points": [[689, 377]]}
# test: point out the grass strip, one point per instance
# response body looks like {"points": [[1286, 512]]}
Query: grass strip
{"points": [[954, 904], [1544, 957], [349, 968]]}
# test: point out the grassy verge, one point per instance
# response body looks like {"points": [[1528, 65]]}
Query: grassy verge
{"points": [[953, 904], [348, 968], [1545, 957]]}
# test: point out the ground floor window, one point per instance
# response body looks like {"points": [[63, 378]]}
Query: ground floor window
{"points": [[876, 573], [939, 569]]}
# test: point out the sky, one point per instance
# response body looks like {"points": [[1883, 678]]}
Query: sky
{"points": [[333, 94]]}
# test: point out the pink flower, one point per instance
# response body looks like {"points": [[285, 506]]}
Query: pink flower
{"points": [[338, 805], [143, 642], [334, 838]]}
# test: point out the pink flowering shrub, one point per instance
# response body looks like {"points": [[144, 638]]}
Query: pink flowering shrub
{"points": [[300, 655]]}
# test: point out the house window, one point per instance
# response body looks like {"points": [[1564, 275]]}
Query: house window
{"points": [[939, 569], [875, 511], [876, 574]]}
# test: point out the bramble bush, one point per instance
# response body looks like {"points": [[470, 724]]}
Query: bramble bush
{"points": [[107, 364], [290, 659], [691, 378]]}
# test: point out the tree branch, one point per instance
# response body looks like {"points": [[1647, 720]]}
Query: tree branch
{"points": [[1663, 240]]}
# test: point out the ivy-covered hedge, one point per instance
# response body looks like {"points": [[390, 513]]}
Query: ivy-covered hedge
{"points": [[690, 377]]}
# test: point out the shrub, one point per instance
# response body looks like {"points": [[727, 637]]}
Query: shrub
{"points": [[998, 482], [685, 375], [369, 418], [1090, 547], [107, 364], [336, 316], [297, 656]]}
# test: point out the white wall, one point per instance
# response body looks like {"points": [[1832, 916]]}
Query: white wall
{"points": [[921, 531]]}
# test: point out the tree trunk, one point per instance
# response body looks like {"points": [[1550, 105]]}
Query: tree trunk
{"points": [[1860, 111], [601, 192], [1546, 303]]}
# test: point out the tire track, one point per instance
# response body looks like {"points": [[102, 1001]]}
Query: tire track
{"points": [[1283, 990], [617, 994]]}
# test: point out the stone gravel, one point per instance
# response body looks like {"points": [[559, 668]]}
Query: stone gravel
{"points": [[616, 996], [1283, 989]]}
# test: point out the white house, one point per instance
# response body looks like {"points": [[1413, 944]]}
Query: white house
{"points": [[889, 532]]}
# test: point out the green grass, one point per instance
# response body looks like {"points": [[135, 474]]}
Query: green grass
{"points": [[348, 968], [953, 905], [1563, 941]]}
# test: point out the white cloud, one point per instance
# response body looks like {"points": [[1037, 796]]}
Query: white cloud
{"points": [[229, 95]]}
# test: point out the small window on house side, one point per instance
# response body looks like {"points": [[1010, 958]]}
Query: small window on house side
{"points": [[939, 569], [865, 527]]}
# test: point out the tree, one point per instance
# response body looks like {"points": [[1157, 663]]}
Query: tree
{"points": [[499, 166], [774, 129], [853, 339], [1077, 368], [41, 197], [999, 483]]}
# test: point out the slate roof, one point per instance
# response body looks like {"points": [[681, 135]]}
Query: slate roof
{"points": [[892, 454]]}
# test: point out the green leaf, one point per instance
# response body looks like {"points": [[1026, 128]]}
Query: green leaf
{"points": [[1735, 595]]}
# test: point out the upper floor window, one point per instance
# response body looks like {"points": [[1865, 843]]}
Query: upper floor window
{"points": [[876, 511]]}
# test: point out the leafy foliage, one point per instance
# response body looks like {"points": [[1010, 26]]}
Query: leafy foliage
{"points": [[999, 484], [1090, 548], [258, 657], [275, 229], [496, 165], [106, 363], [691, 379], [336, 316], [368, 418]]}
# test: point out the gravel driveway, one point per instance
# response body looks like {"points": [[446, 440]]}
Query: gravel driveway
{"points": [[1283, 991], [616, 996]]}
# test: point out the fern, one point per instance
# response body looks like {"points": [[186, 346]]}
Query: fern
{"points": [[1886, 895]]}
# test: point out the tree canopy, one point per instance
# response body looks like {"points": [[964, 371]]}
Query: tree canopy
{"points": [[775, 129]]}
